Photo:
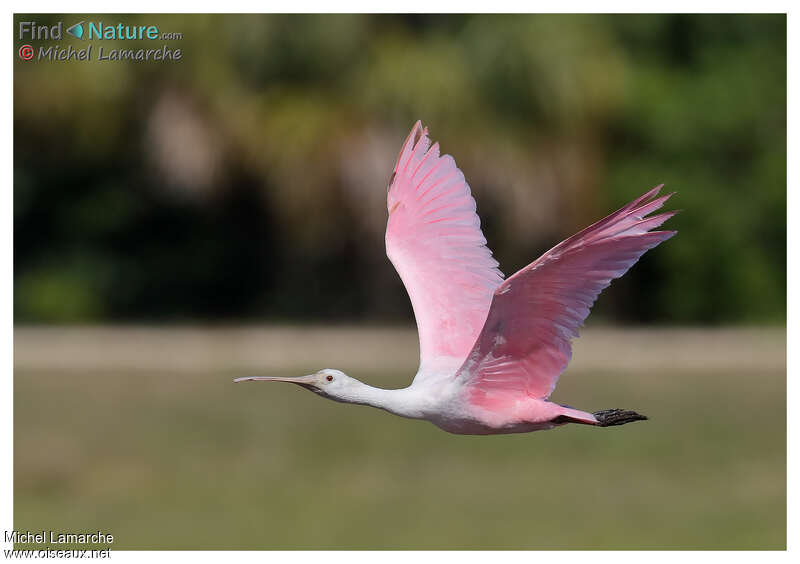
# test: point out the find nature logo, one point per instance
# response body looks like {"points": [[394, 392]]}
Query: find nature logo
{"points": [[29, 30], [91, 31], [76, 30]]}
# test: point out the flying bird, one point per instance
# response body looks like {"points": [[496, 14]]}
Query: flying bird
{"points": [[491, 350]]}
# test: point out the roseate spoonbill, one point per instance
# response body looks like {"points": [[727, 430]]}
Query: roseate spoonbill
{"points": [[491, 350]]}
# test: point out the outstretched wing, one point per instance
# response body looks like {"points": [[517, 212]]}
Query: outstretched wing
{"points": [[434, 240], [525, 344]]}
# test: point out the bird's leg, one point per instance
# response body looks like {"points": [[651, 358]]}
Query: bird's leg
{"points": [[611, 417]]}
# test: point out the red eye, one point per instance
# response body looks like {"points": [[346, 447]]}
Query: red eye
{"points": [[329, 378]]}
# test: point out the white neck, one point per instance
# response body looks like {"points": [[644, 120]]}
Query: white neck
{"points": [[405, 402]]}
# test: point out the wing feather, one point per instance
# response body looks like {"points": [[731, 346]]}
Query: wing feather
{"points": [[525, 343], [434, 240]]}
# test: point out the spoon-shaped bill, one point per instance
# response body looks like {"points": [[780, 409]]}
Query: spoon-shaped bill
{"points": [[302, 380]]}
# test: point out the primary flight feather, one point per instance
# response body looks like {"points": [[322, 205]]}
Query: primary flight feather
{"points": [[491, 350]]}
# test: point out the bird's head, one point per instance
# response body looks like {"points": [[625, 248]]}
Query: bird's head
{"points": [[328, 382]]}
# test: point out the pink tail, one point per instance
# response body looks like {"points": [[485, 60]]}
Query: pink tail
{"points": [[604, 418]]}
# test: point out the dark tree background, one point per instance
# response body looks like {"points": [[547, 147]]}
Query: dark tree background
{"points": [[247, 181]]}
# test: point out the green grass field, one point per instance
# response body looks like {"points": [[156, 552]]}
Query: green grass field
{"points": [[140, 433]]}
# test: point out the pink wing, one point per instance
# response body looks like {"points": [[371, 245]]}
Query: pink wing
{"points": [[434, 240], [525, 343]]}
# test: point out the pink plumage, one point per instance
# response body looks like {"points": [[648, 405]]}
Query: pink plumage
{"points": [[525, 344], [434, 240], [491, 351]]}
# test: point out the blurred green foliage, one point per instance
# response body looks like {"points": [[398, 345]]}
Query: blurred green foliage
{"points": [[246, 180]]}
